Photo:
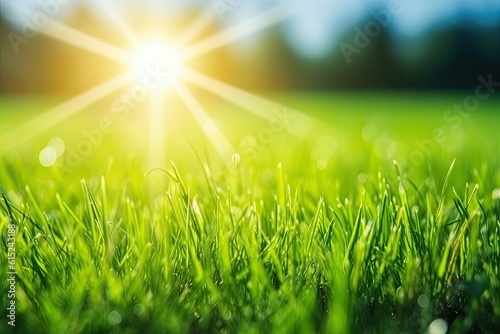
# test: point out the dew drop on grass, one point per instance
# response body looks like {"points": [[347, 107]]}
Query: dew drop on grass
{"points": [[114, 318], [438, 326]]}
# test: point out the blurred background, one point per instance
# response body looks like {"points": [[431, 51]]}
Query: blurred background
{"points": [[359, 44]]}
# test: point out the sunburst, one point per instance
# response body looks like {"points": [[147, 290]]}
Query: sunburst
{"points": [[169, 56]]}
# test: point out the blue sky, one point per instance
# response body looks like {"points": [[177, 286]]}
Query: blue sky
{"points": [[320, 25]]}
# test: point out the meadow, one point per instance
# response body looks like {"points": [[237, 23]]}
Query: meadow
{"points": [[378, 212]]}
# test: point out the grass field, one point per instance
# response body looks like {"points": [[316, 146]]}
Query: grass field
{"points": [[378, 214]]}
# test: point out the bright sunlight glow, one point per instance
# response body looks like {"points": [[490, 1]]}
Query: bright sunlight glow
{"points": [[154, 63], [159, 58]]}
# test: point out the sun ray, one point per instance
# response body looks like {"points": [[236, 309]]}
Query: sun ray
{"points": [[157, 140], [157, 130], [200, 23], [211, 129], [259, 106], [56, 115], [261, 21], [118, 21], [79, 39]]}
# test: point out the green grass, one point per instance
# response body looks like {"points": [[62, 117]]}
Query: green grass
{"points": [[271, 244]]}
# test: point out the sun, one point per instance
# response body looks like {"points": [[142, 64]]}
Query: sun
{"points": [[156, 68], [156, 57]]}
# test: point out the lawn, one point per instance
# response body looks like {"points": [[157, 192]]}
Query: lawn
{"points": [[378, 212]]}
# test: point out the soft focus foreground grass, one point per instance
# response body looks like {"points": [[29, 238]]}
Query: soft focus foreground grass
{"points": [[316, 234]]}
